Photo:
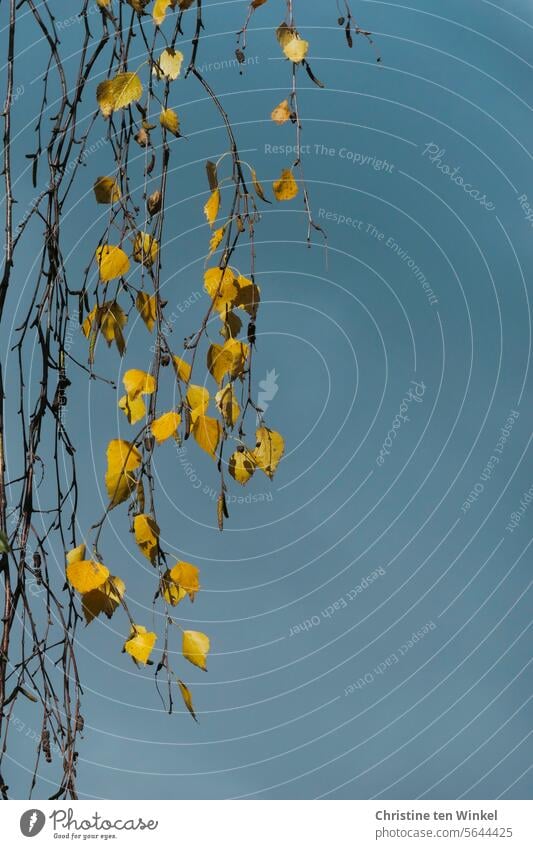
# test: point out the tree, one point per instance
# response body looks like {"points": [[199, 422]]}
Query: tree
{"points": [[122, 277]]}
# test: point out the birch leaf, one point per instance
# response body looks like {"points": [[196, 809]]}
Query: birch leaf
{"points": [[112, 262], [133, 408], [137, 382], [168, 65], [105, 599], [187, 698], [281, 113], [269, 450], [183, 369], [165, 426], [145, 249], [207, 432], [296, 49], [241, 466], [106, 190], [286, 188], [146, 531], [86, 575], [122, 459], [187, 577], [212, 206], [140, 644], [147, 308], [195, 647], [170, 121], [228, 405], [170, 591], [76, 554]]}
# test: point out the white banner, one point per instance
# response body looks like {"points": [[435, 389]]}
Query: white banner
{"points": [[269, 824]]}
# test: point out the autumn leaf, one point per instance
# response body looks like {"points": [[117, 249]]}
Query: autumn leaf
{"points": [[170, 121], [168, 65], [296, 48], [105, 599], [140, 643], [229, 358], [198, 400], [133, 408], [248, 296], [207, 432], [147, 308], [146, 531], [118, 92], [187, 577], [228, 405], [286, 188], [145, 249], [76, 554], [241, 466], [160, 9], [212, 206], [86, 575], [165, 426], [269, 450], [281, 113], [122, 459], [108, 319], [195, 647], [112, 262], [187, 698], [216, 239], [170, 591], [221, 286], [183, 369], [106, 190], [258, 187], [137, 382]]}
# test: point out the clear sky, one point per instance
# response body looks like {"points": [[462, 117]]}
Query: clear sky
{"points": [[398, 357]]}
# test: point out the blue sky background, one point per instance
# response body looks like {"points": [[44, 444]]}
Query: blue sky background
{"points": [[347, 333]]}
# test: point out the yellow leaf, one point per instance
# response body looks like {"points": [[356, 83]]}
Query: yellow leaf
{"points": [[207, 432], [183, 369], [145, 249], [127, 88], [296, 48], [284, 34], [159, 11], [212, 206], [170, 591], [118, 92], [281, 113], [187, 698], [112, 262], [269, 450], [140, 643], [248, 296], [241, 466], [86, 575], [258, 187], [105, 599], [146, 533], [286, 188], [76, 554], [229, 358], [170, 121], [198, 400], [133, 408], [138, 5], [216, 239], [103, 3], [221, 286], [195, 647], [122, 459], [227, 404], [169, 64], [137, 382], [187, 577], [165, 426], [147, 309], [106, 190], [231, 326], [109, 318]]}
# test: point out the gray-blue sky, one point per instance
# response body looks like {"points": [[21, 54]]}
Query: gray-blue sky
{"points": [[346, 334]]}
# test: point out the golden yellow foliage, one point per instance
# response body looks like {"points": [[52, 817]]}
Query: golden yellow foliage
{"points": [[170, 121], [187, 698], [269, 450], [241, 466], [147, 308], [112, 262], [281, 113], [140, 643], [186, 577], [229, 358], [212, 206], [165, 426], [146, 531], [86, 575], [123, 458], [228, 405], [183, 369], [207, 432], [105, 599], [169, 64], [286, 188], [106, 190], [118, 92], [145, 249], [195, 646]]}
